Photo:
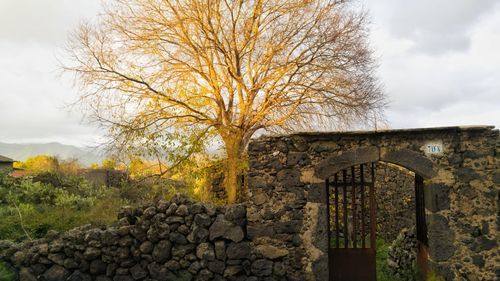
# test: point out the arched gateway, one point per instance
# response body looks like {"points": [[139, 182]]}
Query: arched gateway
{"points": [[312, 197]]}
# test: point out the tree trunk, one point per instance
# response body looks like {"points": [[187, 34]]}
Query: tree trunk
{"points": [[234, 164]]}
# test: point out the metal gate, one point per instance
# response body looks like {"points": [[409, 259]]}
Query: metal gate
{"points": [[422, 242], [352, 224]]}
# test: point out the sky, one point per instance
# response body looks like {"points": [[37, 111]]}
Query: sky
{"points": [[439, 65]]}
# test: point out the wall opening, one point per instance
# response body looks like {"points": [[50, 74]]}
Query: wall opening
{"points": [[372, 206]]}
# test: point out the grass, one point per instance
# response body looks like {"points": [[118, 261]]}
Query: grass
{"points": [[383, 271], [39, 219], [5, 273]]}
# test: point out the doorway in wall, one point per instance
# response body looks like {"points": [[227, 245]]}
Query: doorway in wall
{"points": [[356, 226]]}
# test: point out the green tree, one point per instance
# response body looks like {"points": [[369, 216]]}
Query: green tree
{"points": [[168, 72]]}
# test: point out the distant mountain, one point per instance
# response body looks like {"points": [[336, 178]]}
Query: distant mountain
{"points": [[22, 151]]}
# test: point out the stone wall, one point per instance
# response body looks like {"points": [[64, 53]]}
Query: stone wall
{"points": [[174, 240], [281, 232], [5, 165], [461, 184], [402, 256], [395, 199], [104, 177]]}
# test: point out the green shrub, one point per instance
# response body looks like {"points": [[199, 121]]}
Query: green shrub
{"points": [[5, 273], [30, 208], [383, 271]]}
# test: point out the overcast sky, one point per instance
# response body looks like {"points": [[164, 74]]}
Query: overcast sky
{"points": [[439, 64]]}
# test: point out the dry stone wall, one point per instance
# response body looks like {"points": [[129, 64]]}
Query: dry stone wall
{"points": [[402, 255], [171, 240], [395, 199]]}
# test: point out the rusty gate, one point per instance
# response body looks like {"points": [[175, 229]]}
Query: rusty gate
{"points": [[352, 224]]}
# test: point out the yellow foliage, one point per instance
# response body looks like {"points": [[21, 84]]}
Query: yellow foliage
{"points": [[40, 164], [108, 164], [142, 168], [69, 167], [193, 66]]}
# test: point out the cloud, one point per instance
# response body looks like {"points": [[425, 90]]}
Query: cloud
{"points": [[33, 96], [448, 84], [33, 99], [439, 63], [43, 22], [433, 26]]}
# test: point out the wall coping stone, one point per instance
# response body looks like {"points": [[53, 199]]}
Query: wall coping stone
{"points": [[360, 133]]}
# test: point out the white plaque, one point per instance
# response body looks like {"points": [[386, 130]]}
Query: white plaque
{"points": [[433, 148]]}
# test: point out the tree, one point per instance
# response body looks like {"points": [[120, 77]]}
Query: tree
{"points": [[69, 166], [41, 163], [138, 168], [151, 70], [108, 164]]}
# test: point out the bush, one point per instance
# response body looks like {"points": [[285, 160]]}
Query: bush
{"points": [[32, 205], [5, 273], [29, 207], [383, 271]]}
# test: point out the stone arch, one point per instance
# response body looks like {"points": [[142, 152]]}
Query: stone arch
{"points": [[410, 160], [406, 158], [334, 164]]}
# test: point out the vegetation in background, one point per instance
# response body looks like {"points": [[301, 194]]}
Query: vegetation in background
{"points": [[201, 173], [109, 164], [384, 273], [383, 270], [5, 273], [31, 206], [59, 199], [140, 168], [48, 164], [39, 164]]}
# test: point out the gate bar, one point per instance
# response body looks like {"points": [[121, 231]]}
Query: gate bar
{"points": [[363, 233], [354, 217], [337, 238], [373, 220], [344, 203], [327, 185], [420, 210]]}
